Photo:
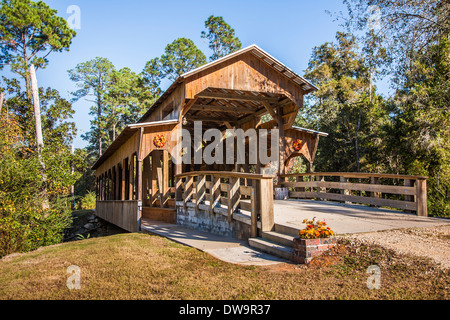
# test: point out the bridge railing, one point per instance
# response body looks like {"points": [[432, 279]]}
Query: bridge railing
{"points": [[404, 192], [229, 192]]}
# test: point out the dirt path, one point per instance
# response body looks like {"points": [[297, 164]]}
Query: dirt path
{"points": [[432, 242]]}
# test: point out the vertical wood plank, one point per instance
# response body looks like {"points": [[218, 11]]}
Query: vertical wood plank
{"points": [[214, 193], [422, 207], [200, 190], [165, 178], [253, 215], [266, 204], [188, 190]]}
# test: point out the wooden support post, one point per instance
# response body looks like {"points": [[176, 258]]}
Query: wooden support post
{"points": [[131, 178], [281, 151], [139, 179], [421, 187], [155, 164], [266, 204], [164, 179], [145, 180], [124, 179], [253, 214]]}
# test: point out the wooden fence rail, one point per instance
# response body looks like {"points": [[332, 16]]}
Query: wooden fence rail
{"points": [[229, 191], [409, 192]]}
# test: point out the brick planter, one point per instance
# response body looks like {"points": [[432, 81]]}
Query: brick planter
{"points": [[306, 249]]}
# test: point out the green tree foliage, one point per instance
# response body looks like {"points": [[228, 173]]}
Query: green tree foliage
{"points": [[93, 78], [179, 57], [30, 31], [222, 38], [24, 224], [344, 106], [416, 35], [127, 100]]}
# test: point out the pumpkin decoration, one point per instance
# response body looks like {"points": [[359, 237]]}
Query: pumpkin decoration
{"points": [[159, 141], [298, 144]]}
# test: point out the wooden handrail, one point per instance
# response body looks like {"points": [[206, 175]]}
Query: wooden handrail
{"points": [[225, 174], [414, 189], [356, 175]]}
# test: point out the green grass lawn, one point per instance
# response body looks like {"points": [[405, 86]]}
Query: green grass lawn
{"points": [[141, 266]]}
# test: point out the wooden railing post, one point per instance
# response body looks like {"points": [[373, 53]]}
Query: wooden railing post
{"points": [[266, 204], [233, 195], [200, 190], [421, 187], [253, 214], [178, 189], [188, 190], [214, 193]]}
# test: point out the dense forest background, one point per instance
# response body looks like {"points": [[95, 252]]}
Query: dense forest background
{"points": [[42, 179]]}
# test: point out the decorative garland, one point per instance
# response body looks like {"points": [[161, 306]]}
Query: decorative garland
{"points": [[298, 144], [159, 141]]}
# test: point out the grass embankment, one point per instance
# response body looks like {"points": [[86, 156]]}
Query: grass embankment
{"points": [[140, 266]]}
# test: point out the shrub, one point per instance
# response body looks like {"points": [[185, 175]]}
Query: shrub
{"points": [[88, 201]]}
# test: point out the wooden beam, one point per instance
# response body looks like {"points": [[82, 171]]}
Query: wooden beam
{"points": [[231, 96], [188, 106], [203, 107], [250, 117], [218, 119], [271, 110], [228, 125]]}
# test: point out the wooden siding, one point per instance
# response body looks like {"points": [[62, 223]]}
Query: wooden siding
{"points": [[175, 100], [124, 214], [245, 72], [125, 150]]}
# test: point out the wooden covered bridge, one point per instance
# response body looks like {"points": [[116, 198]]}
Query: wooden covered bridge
{"points": [[141, 174]]}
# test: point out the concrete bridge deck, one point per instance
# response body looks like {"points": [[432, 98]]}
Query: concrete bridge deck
{"points": [[348, 218], [342, 218]]}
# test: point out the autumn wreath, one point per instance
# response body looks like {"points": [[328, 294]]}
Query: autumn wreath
{"points": [[159, 141], [298, 144]]}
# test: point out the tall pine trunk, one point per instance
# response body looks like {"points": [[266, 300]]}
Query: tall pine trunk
{"points": [[2, 98], [38, 132]]}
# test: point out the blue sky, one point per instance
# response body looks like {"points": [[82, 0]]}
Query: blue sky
{"points": [[129, 33]]}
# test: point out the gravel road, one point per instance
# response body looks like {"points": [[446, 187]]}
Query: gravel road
{"points": [[432, 242]]}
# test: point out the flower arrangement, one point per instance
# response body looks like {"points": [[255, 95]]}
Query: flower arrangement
{"points": [[315, 229], [159, 141], [298, 144]]}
